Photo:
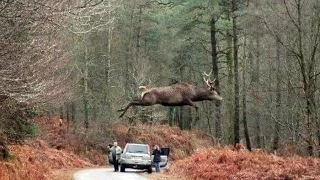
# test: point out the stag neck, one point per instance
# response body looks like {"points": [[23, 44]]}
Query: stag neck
{"points": [[201, 94]]}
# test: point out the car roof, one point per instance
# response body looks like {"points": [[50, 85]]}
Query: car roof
{"points": [[137, 144]]}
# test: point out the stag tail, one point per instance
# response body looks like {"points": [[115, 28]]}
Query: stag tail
{"points": [[143, 90]]}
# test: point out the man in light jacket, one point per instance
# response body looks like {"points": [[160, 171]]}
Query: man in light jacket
{"points": [[115, 152]]}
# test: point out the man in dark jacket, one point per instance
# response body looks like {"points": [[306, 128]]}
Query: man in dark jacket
{"points": [[156, 157]]}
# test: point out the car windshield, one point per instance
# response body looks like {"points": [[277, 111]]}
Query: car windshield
{"points": [[137, 149]]}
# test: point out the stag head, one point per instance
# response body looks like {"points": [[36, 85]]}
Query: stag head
{"points": [[211, 87]]}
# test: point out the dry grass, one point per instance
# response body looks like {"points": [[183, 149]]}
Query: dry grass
{"points": [[225, 163], [52, 157], [75, 139], [39, 158], [36, 160]]}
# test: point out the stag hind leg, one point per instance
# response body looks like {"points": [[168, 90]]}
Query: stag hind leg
{"points": [[133, 103]]}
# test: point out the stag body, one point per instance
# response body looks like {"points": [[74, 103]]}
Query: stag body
{"points": [[179, 94]]}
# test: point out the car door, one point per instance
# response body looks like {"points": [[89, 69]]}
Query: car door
{"points": [[164, 156]]}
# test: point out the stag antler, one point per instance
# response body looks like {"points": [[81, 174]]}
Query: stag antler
{"points": [[208, 81], [205, 74]]}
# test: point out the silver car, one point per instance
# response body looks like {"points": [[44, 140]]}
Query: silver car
{"points": [[136, 156]]}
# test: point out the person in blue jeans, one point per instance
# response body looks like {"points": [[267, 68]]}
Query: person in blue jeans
{"points": [[156, 157]]}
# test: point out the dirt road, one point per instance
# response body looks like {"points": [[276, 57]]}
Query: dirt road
{"points": [[107, 174]]}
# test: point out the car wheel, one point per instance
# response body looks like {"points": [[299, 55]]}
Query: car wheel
{"points": [[150, 169], [122, 168]]}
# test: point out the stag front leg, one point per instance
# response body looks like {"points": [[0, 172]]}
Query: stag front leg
{"points": [[191, 103], [133, 103]]}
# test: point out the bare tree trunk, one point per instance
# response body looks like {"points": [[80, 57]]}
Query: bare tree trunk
{"points": [[172, 114], [61, 112], [73, 111], [138, 52], [307, 73], [290, 117], [306, 82], [85, 90], [256, 93], [275, 144], [67, 113], [215, 70], [181, 119], [108, 61], [230, 84], [236, 74], [129, 67], [318, 136], [244, 97], [94, 112], [208, 116]]}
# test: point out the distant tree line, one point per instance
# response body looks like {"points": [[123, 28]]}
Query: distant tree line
{"points": [[84, 59]]}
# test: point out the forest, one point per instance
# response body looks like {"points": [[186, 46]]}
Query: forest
{"points": [[83, 60]]}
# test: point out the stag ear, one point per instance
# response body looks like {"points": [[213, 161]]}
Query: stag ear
{"points": [[212, 85], [211, 88]]}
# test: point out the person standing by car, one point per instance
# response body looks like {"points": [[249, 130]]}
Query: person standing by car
{"points": [[157, 157], [115, 152]]}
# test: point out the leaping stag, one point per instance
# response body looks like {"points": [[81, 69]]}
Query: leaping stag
{"points": [[179, 94]]}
